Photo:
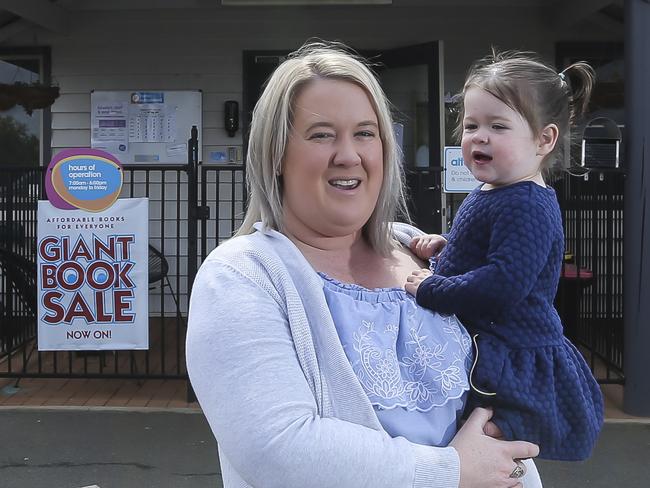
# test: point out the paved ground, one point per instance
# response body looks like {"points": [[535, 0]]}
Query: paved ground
{"points": [[73, 448], [621, 459], [78, 448]]}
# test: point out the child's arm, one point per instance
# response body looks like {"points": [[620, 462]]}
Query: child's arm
{"points": [[519, 248]]}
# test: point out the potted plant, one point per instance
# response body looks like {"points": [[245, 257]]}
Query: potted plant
{"points": [[30, 96]]}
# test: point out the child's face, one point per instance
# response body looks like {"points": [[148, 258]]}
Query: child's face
{"points": [[499, 147]]}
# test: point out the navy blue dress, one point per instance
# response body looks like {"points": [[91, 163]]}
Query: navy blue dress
{"points": [[499, 274]]}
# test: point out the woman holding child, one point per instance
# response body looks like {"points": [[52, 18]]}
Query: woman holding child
{"points": [[312, 364]]}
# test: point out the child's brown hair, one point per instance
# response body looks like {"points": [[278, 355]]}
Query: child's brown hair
{"points": [[535, 90]]}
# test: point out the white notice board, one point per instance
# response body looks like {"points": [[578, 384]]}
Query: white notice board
{"points": [[145, 126]]}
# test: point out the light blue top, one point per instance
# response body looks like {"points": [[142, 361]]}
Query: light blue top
{"points": [[411, 362]]}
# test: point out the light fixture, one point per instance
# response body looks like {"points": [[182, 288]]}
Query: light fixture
{"points": [[262, 3]]}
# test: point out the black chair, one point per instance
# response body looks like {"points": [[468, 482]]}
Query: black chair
{"points": [[19, 275], [158, 269]]}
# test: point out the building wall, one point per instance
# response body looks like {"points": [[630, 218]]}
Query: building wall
{"points": [[201, 49]]}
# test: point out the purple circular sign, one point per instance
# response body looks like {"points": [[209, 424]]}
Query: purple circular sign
{"points": [[87, 179]]}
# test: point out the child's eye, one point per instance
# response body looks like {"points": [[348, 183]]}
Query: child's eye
{"points": [[499, 127]]}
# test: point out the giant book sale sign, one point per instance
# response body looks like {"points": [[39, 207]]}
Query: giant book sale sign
{"points": [[92, 257]]}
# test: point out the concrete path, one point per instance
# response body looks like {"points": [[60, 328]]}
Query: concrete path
{"points": [[74, 448], [80, 448], [621, 460]]}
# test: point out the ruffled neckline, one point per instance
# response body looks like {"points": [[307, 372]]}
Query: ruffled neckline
{"points": [[372, 295]]}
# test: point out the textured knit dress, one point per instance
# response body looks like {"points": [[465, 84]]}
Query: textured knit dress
{"points": [[499, 274]]}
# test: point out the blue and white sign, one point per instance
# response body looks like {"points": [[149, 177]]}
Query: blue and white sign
{"points": [[147, 97], [457, 179]]}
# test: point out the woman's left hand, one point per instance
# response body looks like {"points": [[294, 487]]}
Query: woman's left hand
{"points": [[486, 462], [414, 279]]}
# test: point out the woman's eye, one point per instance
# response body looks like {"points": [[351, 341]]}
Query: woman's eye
{"points": [[321, 135], [365, 133], [470, 127]]}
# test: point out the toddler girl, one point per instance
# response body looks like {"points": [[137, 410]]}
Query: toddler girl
{"points": [[500, 268]]}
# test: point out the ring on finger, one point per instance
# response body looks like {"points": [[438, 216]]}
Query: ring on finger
{"points": [[519, 470]]}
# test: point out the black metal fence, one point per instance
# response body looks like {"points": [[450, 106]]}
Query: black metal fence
{"points": [[176, 225], [590, 292], [20, 189], [193, 208], [590, 296]]}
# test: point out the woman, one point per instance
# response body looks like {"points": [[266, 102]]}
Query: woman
{"points": [[313, 367]]}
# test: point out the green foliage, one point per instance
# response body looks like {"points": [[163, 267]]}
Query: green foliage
{"points": [[17, 146]]}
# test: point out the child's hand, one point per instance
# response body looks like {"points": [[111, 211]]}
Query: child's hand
{"points": [[427, 246], [491, 429], [414, 279]]}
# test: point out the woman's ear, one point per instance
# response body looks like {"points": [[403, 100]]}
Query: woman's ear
{"points": [[547, 139]]}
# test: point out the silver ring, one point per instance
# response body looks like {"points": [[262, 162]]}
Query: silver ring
{"points": [[519, 470]]}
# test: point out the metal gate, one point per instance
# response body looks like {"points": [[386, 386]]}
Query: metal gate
{"points": [[177, 224]]}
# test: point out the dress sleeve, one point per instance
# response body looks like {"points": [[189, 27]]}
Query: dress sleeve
{"points": [[243, 366], [519, 248]]}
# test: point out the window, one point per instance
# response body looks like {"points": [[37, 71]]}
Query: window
{"points": [[24, 138]]}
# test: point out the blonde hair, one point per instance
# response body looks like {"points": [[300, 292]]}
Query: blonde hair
{"points": [[535, 90], [272, 119]]}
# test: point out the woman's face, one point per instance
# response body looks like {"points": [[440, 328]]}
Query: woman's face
{"points": [[333, 163]]}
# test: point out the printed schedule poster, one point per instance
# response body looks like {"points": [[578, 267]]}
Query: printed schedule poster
{"points": [[145, 126], [93, 277]]}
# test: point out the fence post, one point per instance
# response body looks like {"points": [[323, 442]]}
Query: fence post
{"points": [[192, 221], [636, 269]]}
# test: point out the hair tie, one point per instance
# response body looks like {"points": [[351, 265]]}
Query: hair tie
{"points": [[562, 77]]}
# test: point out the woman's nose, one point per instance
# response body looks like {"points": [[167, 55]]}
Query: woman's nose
{"points": [[347, 153]]}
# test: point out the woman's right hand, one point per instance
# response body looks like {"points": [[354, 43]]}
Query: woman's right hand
{"points": [[486, 462]]}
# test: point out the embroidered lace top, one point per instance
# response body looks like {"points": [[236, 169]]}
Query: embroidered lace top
{"points": [[411, 362]]}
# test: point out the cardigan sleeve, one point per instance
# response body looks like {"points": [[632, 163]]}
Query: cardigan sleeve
{"points": [[243, 366], [519, 248]]}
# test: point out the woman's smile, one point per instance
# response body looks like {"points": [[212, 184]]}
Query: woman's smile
{"points": [[345, 184]]}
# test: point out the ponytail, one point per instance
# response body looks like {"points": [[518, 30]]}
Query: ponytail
{"points": [[583, 78]]}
